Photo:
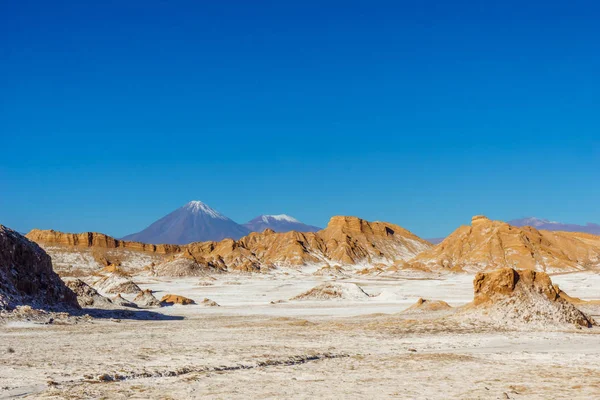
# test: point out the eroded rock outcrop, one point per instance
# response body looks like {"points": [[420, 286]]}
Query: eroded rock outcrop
{"points": [[489, 245], [87, 296], [145, 298], [425, 305], [508, 296], [116, 283], [172, 299], [26, 275], [345, 241], [334, 291]]}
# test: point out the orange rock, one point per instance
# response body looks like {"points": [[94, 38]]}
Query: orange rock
{"points": [[171, 299], [523, 296], [488, 245]]}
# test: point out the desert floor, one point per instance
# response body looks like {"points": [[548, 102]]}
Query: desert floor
{"points": [[250, 348]]}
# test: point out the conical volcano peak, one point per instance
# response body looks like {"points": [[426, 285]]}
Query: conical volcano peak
{"points": [[198, 207]]}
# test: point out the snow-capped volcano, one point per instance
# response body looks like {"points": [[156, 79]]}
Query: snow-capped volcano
{"points": [[194, 222], [279, 223], [548, 225]]}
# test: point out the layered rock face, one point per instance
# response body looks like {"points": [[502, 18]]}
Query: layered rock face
{"points": [[26, 275], [97, 240], [488, 245], [345, 241], [509, 296]]}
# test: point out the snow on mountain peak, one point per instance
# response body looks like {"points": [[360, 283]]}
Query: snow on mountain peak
{"points": [[197, 207], [280, 217]]}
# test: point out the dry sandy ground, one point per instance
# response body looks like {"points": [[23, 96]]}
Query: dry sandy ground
{"points": [[249, 348]]}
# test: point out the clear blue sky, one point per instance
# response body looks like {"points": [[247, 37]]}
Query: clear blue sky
{"points": [[419, 113]]}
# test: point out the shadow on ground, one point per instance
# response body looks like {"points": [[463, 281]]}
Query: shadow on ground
{"points": [[134, 314]]}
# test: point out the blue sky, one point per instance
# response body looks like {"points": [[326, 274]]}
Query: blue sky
{"points": [[417, 113]]}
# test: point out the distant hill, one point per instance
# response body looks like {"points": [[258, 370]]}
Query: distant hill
{"points": [[547, 225], [278, 223], [194, 222]]}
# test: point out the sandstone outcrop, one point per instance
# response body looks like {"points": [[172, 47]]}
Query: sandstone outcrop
{"points": [[96, 240], [172, 299], [345, 241], [489, 245], [27, 277], [508, 296]]}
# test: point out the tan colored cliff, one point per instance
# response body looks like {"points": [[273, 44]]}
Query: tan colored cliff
{"points": [[487, 245], [345, 241], [96, 240]]}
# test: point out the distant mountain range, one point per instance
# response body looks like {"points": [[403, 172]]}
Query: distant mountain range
{"points": [[279, 223], [198, 222], [547, 225]]}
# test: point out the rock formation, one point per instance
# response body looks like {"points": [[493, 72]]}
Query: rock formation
{"points": [[488, 245], [26, 275], [508, 296], [424, 305], [145, 298], [116, 283], [346, 241], [209, 303], [172, 299], [87, 296], [118, 300], [333, 290]]}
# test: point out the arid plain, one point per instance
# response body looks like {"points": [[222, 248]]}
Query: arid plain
{"points": [[357, 309]]}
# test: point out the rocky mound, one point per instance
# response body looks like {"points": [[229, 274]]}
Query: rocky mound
{"points": [[172, 299], [331, 270], [424, 305], [489, 245], [145, 298], [116, 283], [87, 296], [333, 290], [508, 296], [26, 275], [122, 302], [209, 303], [185, 265]]}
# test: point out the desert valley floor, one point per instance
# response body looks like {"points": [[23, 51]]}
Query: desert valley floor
{"points": [[261, 344]]}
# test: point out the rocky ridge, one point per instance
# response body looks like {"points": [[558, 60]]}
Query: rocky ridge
{"points": [[27, 277], [489, 245], [346, 241]]}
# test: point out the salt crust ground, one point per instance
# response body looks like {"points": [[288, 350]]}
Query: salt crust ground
{"points": [[249, 348]]}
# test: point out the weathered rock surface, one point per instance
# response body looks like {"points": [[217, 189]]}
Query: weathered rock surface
{"points": [[345, 241], [425, 305], [508, 296], [122, 302], [489, 245], [145, 298], [209, 303], [87, 296], [172, 299], [333, 290], [116, 283], [26, 275]]}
